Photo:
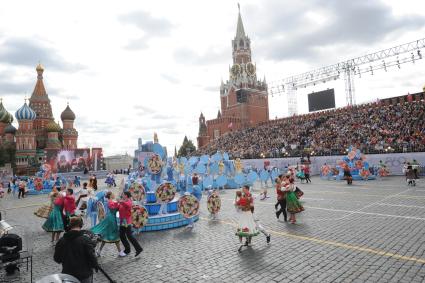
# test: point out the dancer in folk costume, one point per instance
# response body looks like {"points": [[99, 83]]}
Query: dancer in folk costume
{"points": [[292, 202], [44, 211], [213, 203], [347, 175], [68, 206], [77, 182], [94, 182], [92, 207], [126, 223], [260, 227], [54, 222], [410, 175], [306, 170], [246, 226], [1, 191], [263, 194], [281, 197], [108, 229], [238, 196], [22, 189]]}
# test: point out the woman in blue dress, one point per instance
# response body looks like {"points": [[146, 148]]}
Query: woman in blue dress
{"points": [[108, 229], [54, 222]]}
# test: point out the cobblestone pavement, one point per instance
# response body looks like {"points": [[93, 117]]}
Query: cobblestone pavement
{"points": [[369, 232]]}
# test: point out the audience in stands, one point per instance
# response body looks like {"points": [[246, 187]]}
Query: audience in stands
{"points": [[373, 128]]}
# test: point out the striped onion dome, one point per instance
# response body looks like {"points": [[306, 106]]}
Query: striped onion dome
{"points": [[52, 126], [9, 118], [25, 113], [10, 129]]}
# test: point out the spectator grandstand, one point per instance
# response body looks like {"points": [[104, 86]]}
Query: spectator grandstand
{"points": [[389, 125]]}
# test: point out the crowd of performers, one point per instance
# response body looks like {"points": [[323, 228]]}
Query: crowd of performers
{"points": [[287, 202], [22, 187], [65, 204], [410, 170]]}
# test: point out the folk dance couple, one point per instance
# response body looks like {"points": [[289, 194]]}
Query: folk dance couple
{"points": [[108, 229], [60, 210], [287, 198], [248, 227]]}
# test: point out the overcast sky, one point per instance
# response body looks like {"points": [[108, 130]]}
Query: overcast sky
{"points": [[130, 68]]}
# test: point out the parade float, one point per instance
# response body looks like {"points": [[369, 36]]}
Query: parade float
{"points": [[158, 179], [44, 181], [217, 171], [154, 193], [356, 163]]}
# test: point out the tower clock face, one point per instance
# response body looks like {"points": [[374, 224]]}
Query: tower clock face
{"points": [[236, 69], [250, 69]]}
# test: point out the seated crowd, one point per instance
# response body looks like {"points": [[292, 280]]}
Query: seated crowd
{"points": [[373, 128]]}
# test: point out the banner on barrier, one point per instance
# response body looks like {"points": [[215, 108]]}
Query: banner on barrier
{"points": [[393, 161]]}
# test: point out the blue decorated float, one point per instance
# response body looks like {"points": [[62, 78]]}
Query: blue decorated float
{"points": [[355, 162]]}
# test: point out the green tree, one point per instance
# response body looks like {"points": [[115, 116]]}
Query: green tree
{"points": [[187, 147]]}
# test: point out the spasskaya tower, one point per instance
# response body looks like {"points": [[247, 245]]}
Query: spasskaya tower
{"points": [[243, 98]]}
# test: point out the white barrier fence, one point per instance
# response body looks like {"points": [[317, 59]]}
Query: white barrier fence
{"points": [[393, 161]]}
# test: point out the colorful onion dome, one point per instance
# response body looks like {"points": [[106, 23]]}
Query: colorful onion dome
{"points": [[5, 116], [9, 118], [2, 111], [25, 113], [52, 126], [68, 114], [10, 129]]}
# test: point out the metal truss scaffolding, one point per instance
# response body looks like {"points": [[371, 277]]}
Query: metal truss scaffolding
{"points": [[381, 60]]}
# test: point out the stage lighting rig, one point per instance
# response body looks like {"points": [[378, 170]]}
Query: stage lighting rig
{"points": [[400, 54]]}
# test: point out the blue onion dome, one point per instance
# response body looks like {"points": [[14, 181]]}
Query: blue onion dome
{"points": [[10, 129], [25, 113], [52, 126], [67, 114]]}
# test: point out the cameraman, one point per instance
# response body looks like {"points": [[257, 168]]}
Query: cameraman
{"points": [[75, 251]]}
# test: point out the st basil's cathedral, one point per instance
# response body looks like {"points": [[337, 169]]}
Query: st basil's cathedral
{"points": [[37, 131]]}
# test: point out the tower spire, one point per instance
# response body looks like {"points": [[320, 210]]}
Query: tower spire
{"points": [[240, 31]]}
